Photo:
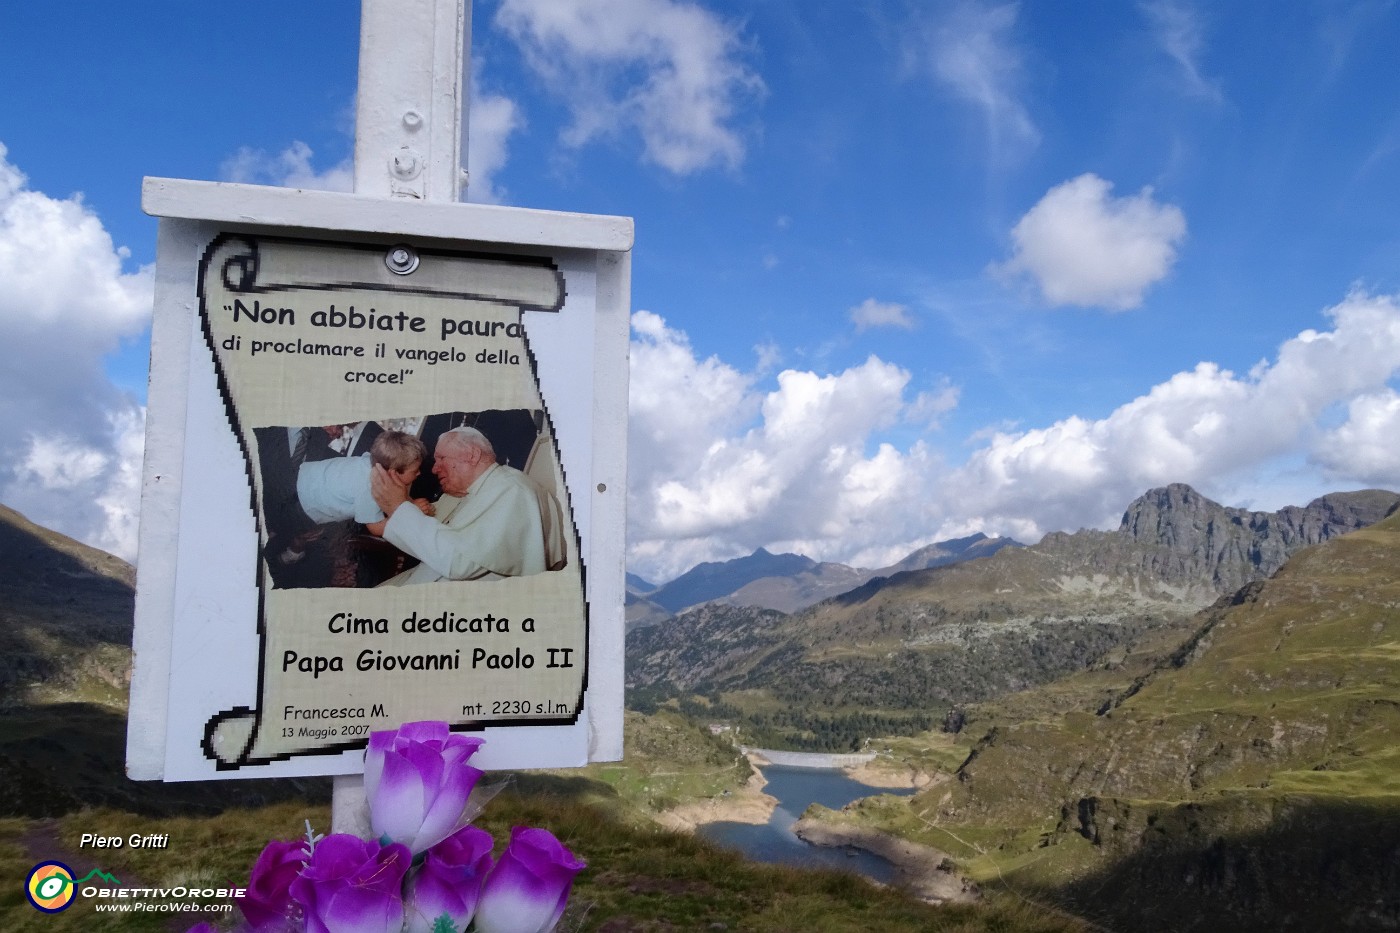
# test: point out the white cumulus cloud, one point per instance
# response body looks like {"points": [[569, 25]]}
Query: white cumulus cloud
{"points": [[1083, 246], [668, 70], [1208, 426], [1366, 447], [720, 465], [70, 441], [871, 313], [493, 118]]}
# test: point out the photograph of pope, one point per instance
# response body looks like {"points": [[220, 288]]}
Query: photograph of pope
{"points": [[482, 486], [492, 520]]}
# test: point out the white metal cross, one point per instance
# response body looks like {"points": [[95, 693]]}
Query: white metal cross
{"points": [[411, 104], [410, 140]]}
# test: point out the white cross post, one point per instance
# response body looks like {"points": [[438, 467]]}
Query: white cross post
{"points": [[195, 718], [410, 142]]}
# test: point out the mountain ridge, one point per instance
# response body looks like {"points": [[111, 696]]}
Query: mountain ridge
{"points": [[786, 582], [970, 631], [1274, 724], [713, 579]]}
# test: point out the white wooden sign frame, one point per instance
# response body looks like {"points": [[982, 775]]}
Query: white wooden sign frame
{"points": [[582, 371]]}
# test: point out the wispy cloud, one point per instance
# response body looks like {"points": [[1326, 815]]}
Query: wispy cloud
{"points": [[871, 313], [971, 50], [1178, 31], [291, 168], [670, 71], [929, 407], [493, 119], [1340, 27]]}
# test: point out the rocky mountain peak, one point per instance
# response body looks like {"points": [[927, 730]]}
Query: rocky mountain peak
{"points": [[1196, 538], [1159, 515]]}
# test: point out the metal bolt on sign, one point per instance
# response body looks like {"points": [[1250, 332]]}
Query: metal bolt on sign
{"points": [[401, 260]]}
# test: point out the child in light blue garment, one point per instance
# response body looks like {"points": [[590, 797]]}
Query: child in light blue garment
{"points": [[337, 489]]}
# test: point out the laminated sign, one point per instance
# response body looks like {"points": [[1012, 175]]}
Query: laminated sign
{"points": [[343, 368], [374, 487]]}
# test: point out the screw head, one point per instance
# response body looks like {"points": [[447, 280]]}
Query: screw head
{"points": [[405, 164], [401, 259]]}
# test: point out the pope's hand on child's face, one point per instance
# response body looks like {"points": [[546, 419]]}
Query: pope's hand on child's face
{"points": [[386, 489]]}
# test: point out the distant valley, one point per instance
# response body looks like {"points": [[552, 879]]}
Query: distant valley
{"points": [[1246, 780], [918, 644], [1188, 723], [1191, 723]]}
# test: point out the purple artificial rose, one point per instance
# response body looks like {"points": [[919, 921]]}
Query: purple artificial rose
{"points": [[417, 781], [449, 880], [267, 903], [352, 885], [527, 890]]}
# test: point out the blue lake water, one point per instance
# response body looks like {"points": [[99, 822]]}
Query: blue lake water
{"points": [[796, 789]]}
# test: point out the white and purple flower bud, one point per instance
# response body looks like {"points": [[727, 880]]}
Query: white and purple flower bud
{"points": [[449, 880], [527, 890], [417, 782]]}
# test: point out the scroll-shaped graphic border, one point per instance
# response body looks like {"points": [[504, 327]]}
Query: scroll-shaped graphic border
{"points": [[240, 274]]}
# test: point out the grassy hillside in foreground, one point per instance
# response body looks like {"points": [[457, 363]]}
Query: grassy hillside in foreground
{"points": [[667, 760], [64, 663], [1249, 782], [640, 876]]}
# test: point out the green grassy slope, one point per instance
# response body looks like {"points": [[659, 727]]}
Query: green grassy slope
{"points": [[64, 779], [668, 760], [65, 617], [1249, 781], [63, 647]]}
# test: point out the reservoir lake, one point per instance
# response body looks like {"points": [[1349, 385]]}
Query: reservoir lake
{"points": [[796, 789]]}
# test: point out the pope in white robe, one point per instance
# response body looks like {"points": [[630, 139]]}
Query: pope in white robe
{"points": [[493, 521]]}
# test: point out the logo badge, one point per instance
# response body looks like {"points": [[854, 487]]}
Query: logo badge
{"points": [[50, 887]]}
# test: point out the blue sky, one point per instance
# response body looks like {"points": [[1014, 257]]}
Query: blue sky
{"points": [[903, 270]]}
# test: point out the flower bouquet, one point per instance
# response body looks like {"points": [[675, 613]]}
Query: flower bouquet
{"points": [[425, 872]]}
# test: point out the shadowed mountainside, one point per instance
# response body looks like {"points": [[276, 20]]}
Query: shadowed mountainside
{"points": [[65, 616], [65, 663], [1249, 780]]}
